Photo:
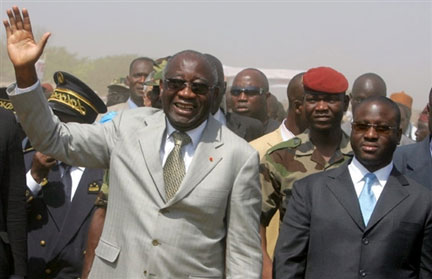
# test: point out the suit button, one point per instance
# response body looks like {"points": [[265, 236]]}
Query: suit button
{"points": [[155, 242], [38, 217], [145, 272], [42, 242], [365, 241], [362, 273], [48, 271], [84, 252]]}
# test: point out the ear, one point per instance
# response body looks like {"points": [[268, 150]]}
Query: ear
{"points": [[298, 107], [127, 80], [267, 95], [346, 102], [399, 135]]}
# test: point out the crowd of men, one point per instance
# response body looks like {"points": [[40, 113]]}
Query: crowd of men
{"points": [[173, 177]]}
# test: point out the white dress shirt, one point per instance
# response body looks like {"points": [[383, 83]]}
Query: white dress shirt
{"points": [[76, 174], [188, 150], [358, 171], [285, 133], [131, 104]]}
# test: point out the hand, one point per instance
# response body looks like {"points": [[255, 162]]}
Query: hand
{"points": [[22, 48], [41, 166]]}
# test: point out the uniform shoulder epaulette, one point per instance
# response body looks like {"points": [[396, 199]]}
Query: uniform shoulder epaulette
{"points": [[291, 144]]}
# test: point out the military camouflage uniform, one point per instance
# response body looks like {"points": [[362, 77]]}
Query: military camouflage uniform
{"points": [[288, 162]]}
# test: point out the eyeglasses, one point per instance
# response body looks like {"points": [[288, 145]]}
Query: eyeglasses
{"points": [[249, 91], [380, 129], [180, 84]]}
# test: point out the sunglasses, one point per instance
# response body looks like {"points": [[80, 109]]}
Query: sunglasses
{"points": [[249, 91], [380, 129], [180, 84]]}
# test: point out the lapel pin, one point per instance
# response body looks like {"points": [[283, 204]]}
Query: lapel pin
{"points": [[211, 159]]}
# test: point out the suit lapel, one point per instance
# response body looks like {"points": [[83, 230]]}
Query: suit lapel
{"points": [[150, 139], [392, 195], [80, 208], [343, 189], [205, 159], [421, 162]]}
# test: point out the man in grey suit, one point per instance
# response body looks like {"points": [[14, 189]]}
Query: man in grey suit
{"points": [[415, 160], [364, 219], [174, 211]]}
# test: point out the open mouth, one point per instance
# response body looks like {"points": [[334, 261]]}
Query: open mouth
{"points": [[184, 108]]}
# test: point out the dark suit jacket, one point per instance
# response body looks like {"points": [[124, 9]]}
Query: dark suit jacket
{"points": [[57, 236], [13, 250], [245, 127], [415, 161], [323, 235]]}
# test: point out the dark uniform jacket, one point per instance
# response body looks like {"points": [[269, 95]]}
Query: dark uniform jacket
{"points": [[415, 161], [57, 233], [245, 127], [12, 199]]}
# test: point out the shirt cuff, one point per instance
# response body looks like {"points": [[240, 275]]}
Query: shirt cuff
{"points": [[19, 91], [32, 184]]}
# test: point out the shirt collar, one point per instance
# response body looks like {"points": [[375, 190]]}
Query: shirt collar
{"points": [[131, 104], [286, 134], [195, 134], [358, 171], [220, 116]]}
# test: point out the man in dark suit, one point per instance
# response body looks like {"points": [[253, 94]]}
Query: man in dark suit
{"points": [[249, 94], [13, 250], [415, 160], [61, 197], [364, 219], [245, 127]]}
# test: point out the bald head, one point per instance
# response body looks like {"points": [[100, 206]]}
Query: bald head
{"points": [[295, 90], [255, 75], [249, 92], [365, 86]]}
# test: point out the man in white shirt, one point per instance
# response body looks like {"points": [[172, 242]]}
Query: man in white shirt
{"points": [[364, 219]]}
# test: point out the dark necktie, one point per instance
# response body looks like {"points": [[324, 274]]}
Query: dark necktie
{"points": [[66, 179], [174, 169]]}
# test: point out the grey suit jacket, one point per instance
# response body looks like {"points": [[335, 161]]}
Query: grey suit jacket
{"points": [[323, 235], [209, 229], [415, 161]]}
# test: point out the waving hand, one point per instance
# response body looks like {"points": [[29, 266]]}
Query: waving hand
{"points": [[22, 49]]}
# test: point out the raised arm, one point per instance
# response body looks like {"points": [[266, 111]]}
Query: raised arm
{"points": [[22, 49]]}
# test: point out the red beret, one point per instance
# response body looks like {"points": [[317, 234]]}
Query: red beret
{"points": [[325, 79]]}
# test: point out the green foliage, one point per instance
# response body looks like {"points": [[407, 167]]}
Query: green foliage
{"points": [[97, 73]]}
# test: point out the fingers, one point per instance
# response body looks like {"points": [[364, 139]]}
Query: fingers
{"points": [[7, 27], [43, 42], [26, 20], [18, 19], [11, 21]]}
